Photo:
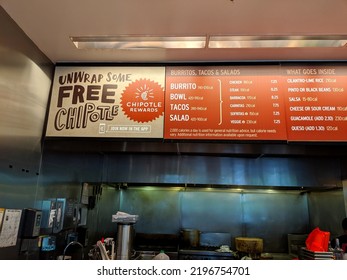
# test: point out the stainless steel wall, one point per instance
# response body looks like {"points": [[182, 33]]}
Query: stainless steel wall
{"points": [[100, 217], [25, 80], [266, 214], [326, 211], [158, 208], [197, 169]]}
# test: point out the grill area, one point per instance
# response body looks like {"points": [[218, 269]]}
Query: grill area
{"points": [[148, 245], [187, 254], [205, 253]]}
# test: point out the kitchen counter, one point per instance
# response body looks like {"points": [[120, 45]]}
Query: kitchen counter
{"points": [[282, 256], [196, 254], [149, 255]]}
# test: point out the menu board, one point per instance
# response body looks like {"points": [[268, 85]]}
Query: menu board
{"points": [[224, 102], [107, 102], [291, 102], [316, 102]]}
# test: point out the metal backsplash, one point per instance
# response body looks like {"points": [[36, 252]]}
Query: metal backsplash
{"points": [[266, 171], [267, 214], [326, 210], [270, 215]]}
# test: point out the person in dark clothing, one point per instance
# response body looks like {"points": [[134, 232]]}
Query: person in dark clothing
{"points": [[342, 238]]}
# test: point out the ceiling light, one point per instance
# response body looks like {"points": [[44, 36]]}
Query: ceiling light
{"points": [[139, 42], [276, 41]]}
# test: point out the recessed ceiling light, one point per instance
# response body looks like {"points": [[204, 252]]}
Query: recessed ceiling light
{"points": [[276, 41], [139, 42]]}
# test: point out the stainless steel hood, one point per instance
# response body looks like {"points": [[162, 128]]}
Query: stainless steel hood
{"points": [[222, 148]]}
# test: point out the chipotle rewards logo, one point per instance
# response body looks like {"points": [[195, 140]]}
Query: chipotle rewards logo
{"points": [[84, 98], [142, 101]]}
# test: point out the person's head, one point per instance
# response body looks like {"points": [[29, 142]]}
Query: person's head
{"points": [[344, 224]]}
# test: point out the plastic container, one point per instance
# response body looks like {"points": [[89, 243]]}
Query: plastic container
{"points": [[161, 256], [318, 240]]}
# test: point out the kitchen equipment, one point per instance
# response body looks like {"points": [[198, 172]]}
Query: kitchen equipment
{"points": [[48, 246], [190, 238], [30, 223], [250, 245], [125, 234], [295, 242], [312, 255], [156, 242], [149, 255], [205, 253], [73, 243], [215, 239]]}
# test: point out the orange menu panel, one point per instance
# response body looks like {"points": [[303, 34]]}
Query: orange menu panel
{"points": [[316, 102], [224, 103]]}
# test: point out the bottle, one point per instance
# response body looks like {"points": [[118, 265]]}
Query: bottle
{"points": [[330, 249], [161, 256], [338, 252]]}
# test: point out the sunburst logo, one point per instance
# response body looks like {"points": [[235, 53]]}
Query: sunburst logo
{"points": [[145, 93], [143, 101]]}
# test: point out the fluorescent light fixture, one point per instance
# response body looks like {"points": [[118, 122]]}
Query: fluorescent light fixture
{"points": [[139, 42], [276, 41]]}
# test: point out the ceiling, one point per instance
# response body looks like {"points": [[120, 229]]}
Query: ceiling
{"points": [[49, 24]]}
